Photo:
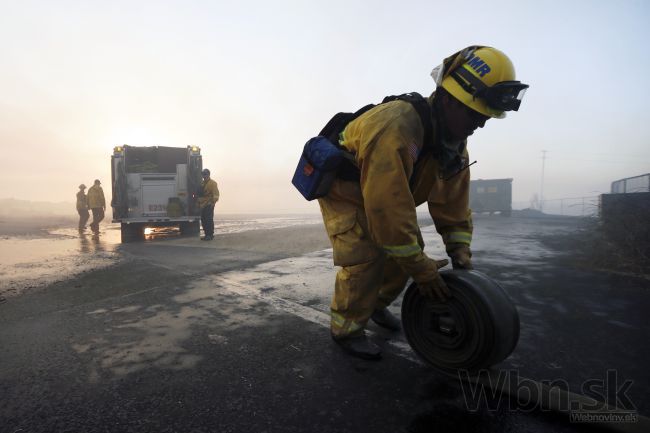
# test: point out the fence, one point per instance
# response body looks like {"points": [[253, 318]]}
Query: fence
{"points": [[569, 206], [632, 184]]}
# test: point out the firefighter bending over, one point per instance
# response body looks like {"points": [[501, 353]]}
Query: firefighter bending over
{"points": [[372, 222]]}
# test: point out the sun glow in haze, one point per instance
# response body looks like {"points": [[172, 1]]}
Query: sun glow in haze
{"points": [[134, 136], [251, 82]]}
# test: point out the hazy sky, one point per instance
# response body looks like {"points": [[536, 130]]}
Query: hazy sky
{"points": [[251, 81]]}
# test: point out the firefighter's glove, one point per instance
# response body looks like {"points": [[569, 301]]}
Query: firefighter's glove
{"points": [[461, 256], [424, 272], [436, 289]]}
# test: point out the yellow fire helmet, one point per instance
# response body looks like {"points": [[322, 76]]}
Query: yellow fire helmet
{"points": [[485, 82]]}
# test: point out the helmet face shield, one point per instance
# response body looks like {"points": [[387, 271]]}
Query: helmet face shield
{"points": [[503, 96], [499, 97]]}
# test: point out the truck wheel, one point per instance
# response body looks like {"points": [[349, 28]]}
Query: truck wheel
{"points": [[475, 329], [132, 232], [190, 228]]}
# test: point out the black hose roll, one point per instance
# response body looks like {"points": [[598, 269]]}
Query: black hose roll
{"points": [[475, 329]]}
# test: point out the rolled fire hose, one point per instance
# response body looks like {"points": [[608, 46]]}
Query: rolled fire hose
{"points": [[476, 329]]}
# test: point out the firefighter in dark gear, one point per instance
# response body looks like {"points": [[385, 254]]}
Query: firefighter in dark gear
{"points": [[97, 204], [372, 223], [209, 196], [82, 207]]}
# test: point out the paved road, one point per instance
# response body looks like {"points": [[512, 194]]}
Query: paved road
{"points": [[157, 344]]}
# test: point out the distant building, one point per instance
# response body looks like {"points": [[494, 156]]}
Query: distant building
{"points": [[632, 184], [491, 195]]}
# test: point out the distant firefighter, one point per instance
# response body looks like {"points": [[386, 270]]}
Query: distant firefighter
{"points": [[209, 196], [97, 204], [82, 207]]}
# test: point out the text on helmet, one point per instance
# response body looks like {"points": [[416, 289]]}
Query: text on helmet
{"points": [[476, 63]]}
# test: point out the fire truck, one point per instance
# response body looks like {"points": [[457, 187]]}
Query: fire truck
{"points": [[156, 186]]}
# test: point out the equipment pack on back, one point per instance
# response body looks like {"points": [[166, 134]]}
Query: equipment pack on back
{"points": [[323, 159]]}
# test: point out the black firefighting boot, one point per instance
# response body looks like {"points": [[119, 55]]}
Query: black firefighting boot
{"points": [[385, 318], [359, 346]]}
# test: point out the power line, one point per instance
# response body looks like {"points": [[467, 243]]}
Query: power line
{"points": [[541, 189]]}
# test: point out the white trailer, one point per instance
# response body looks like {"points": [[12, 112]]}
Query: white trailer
{"points": [[156, 186]]}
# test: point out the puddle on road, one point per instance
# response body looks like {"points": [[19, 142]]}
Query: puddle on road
{"points": [[27, 263], [158, 344], [137, 337]]}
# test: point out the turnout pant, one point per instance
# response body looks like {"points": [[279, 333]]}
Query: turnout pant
{"points": [[98, 216], [207, 220], [368, 278], [84, 215]]}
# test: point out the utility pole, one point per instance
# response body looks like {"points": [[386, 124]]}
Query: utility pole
{"points": [[541, 190]]}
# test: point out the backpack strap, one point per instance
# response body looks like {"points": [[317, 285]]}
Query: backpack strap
{"points": [[348, 169], [421, 106], [337, 124]]}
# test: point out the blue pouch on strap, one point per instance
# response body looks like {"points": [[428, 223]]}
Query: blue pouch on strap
{"points": [[317, 168]]}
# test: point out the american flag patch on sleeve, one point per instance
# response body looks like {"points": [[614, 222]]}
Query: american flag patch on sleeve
{"points": [[413, 151]]}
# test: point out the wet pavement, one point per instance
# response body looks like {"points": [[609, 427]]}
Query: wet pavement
{"points": [[186, 336], [29, 263]]}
